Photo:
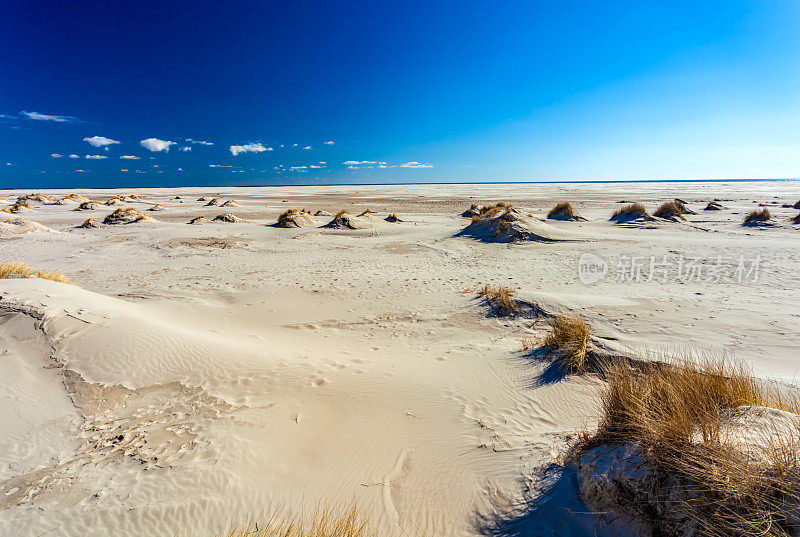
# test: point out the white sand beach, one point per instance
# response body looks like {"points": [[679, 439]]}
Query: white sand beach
{"points": [[198, 376]]}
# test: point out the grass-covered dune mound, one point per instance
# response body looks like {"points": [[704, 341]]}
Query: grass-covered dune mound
{"points": [[694, 449], [503, 223]]}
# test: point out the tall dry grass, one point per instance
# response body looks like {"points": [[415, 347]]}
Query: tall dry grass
{"points": [[13, 269], [632, 210], [569, 338], [762, 215], [324, 523], [670, 209], [500, 297], [563, 209], [677, 414]]}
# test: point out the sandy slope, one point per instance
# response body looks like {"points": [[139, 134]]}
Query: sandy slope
{"points": [[203, 374]]}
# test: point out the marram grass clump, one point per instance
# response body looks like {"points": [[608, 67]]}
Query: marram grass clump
{"points": [[563, 211], [13, 269], [697, 471], [569, 340], [757, 217], [671, 210], [500, 298], [631, 211], [349, 522]]}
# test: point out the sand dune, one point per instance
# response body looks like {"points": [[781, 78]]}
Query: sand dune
{"points": [[193, 378]]}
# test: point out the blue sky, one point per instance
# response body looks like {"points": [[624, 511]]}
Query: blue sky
{"points": [[405, 91]]}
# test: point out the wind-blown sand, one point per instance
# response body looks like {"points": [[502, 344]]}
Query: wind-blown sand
{"points": [[198, 376]]}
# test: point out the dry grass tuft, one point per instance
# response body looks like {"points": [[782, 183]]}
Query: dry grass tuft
{"points": [[501, 298], [340, 214], [127, 215], [569, 340], [392, 218], [562, 211], [89, 205], [198, 220], [324, 523], [18, 206], [228, 218], [631, 212], [90, 223], [365, 212], [11, 269], [670, 209], [713, 206], [758, 216], [36, 197], [677, 416], [284, 220]]}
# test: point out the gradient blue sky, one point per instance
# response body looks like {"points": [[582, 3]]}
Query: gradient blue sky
{"points": [[412, 91]]}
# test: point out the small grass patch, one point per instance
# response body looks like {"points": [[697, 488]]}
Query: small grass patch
{"points": [[13, 269], [758, 216], [127, 215], [670, 210], [631, 211], [500, 297], [349, 522], [562, 211], [569, 339]]}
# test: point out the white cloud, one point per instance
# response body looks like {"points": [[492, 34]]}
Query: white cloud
{"points": [[298, 168], [185, 148], [100, 141], [322, 162], [56, 155], [307, 147], [329, 142], [123, 170], [154, 144], [140, 171], [47, 117], [129, 157], [249, 148], [219, 166], [96, 157], [81, 171], [414, 164], [74, 156], [315, 167], [358, 162], [295, 145], [201, 142], [9, 163]]}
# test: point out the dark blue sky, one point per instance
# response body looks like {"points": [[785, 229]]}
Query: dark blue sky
{"points": [[411, 91]]}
